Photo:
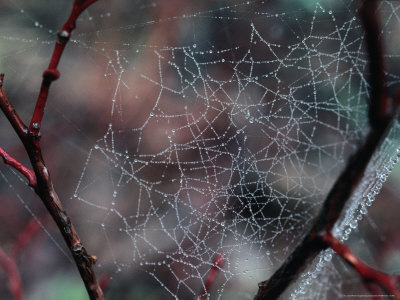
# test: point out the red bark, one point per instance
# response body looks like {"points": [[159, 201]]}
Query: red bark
{"points": [[30, 138], [370, 276], [14, 280]]}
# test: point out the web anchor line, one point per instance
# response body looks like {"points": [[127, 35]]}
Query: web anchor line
{"points": [[39, 177], [382, 112]]}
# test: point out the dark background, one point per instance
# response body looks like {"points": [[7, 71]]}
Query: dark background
{"points": [[296, 116]]}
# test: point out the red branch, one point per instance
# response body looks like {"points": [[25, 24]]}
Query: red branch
{"points": [[104, 282], [369, 275], [8, 262], [10, 112], [11, 161], [14, 280], [24, 237], [51, 73], [211, 276], [31, 141]]}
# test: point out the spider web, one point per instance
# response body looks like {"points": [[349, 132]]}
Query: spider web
{"points": [[228, 122]]}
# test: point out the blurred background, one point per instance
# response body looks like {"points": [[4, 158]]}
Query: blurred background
{"points": [[180, 131]]}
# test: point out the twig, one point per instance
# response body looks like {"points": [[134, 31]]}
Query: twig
{"points": [[14, 280], [369, 275], [9, 111], [11, 161], [104, 282], [31, 141], [51, 73], [381, 114], [24, 237], [8, 262], [211, 276]]}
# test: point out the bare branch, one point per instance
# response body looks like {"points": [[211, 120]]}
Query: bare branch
{"points": [[369, 275], [51, 73], [31, 141], [380, 103], [14, 280], [11, 161], [9, 111], [24, 237]]}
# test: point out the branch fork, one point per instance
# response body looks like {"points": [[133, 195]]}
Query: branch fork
{"points": [[38, 177], [370, 276]]}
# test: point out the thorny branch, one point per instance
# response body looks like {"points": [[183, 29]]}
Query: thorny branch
{"points": [[382, 111], [41, 180]]}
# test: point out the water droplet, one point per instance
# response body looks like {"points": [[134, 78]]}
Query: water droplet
{"points": [[363, 210], [353, 224]]}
